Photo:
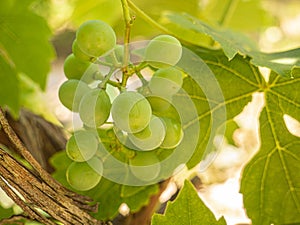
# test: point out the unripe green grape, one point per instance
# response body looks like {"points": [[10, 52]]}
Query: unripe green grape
{"points": [[94, 108], [71, 92], [80, 54], [166, 82], [163, 51], [158, 104], [145, 166], [131, 112], [84, 176], [174, 133], [82, 146], [95, 38], [151, 137], [75, 68]]}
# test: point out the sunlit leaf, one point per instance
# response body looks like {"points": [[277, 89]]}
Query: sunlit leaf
{"points": [[187, 209], [271, 181], [24, 48], [189, 28]]}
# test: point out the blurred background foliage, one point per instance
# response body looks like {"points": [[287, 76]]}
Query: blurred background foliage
{"points": [[272, 24]]}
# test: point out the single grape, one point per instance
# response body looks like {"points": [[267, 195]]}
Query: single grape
{"points": [[151, 137], [75, 68], [82, 146], [131, 112], [166, 82], [174, 133], [163, 51], [145, 166], [159, 104], [94, 108], [95, 38], [80, 54], [71, 92], [84, 176]]}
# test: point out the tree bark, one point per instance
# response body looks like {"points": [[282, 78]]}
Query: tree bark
{"points": [[33, 189]]}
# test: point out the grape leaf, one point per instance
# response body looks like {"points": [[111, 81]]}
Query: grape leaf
{"points": [[283, 63], [187, 209], [6, 213], [188, 28], [271, 181], [21, 49], [231, 42], [214, 108]]}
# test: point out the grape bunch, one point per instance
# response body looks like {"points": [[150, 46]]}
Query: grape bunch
{"points": [[140, 118]]}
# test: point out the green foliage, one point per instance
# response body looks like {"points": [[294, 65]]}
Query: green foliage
{"points": [[232, 43], [5, 213], [228, 73], [187, 209], [22, 50], [271, 180]]}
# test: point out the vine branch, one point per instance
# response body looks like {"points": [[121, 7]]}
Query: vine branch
{"points": [[36, 189], [128, 19]]}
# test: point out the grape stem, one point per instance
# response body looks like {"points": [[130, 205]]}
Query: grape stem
{"points": [[106, 80], [128, 19]]}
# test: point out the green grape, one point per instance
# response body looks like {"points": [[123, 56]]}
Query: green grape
{"points": [[95, 38], [174, 133], [163, 51], [166, 82], [145, 166], [75, 68], [131, 112], [80, 54], [151, 137], [71, 92], [82, 146], [84, 176], [94, 108], [158, 104]]}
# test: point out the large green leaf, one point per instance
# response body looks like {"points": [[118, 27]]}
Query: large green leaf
{"points": [[271, 180], [214, 111], [24, 48], [283, 63], [187, 209], [231, 42], [189, 28]]}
